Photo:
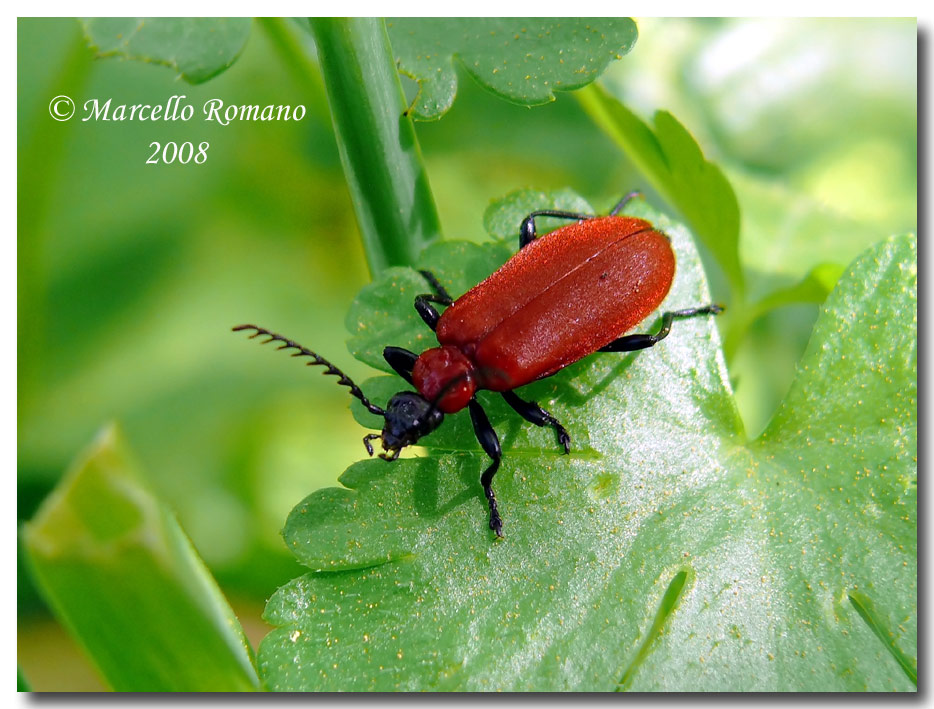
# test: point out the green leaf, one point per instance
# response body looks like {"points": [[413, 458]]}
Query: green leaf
{"points": [[674, 165], [822, 557], [120, 573], [664, 553], [523, 60], [198, 48]]}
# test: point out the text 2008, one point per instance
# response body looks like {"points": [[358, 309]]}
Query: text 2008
{"points": [[183, 153]]}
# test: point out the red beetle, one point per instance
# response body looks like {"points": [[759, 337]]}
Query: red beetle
{"points": [[558, 299]]}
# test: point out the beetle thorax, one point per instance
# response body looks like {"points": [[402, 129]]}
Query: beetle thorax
{"points": [[445, 372]]}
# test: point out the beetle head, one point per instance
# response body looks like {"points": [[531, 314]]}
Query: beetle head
{"points": [[409, 416]]}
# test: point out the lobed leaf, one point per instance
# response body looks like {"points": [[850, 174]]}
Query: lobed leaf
{"points": [[821, 563], [664, 553], [523, 60], [198, 48]]}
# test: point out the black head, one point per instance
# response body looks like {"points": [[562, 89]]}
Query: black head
{"points": [[409, 416]]}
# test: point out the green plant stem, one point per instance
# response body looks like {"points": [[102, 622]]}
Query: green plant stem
{"points": [[379, 150]]}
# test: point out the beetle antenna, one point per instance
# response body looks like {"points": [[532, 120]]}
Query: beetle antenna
{"points": [[316, 359]]}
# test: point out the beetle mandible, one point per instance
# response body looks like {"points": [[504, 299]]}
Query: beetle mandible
{"points": [[562, 297]]}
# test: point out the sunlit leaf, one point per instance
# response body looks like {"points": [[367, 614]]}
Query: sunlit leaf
{"points": [[664, 553]]}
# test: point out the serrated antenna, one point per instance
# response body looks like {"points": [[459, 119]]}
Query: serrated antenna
{"points": [[316, 359]]}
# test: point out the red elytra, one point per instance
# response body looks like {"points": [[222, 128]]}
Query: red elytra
{"points": [[559, 299]]}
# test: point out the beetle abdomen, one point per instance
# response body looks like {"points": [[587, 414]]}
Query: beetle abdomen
{"points": [[606, 297], [528, 273], [594, 299]]}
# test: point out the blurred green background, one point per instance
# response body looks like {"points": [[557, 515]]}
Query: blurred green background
{"points": [[131, 275]]}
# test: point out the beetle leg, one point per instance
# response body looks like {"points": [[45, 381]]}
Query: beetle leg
{"points": [[527, 232], [630, 343], [427, 311], [402, 360], [366, 441], [534, 413], [436, 286], [490, 443], [623, 202], [423, 302]]}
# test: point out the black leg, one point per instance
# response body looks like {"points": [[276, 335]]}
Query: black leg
{"points": [[527, 232], [423, 302], [490, 443], [641, 341], [366, 441], [436, 286], [534, 413], [427, 311], [401, 360]]}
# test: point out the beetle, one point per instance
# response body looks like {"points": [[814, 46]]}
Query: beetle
{"points": [[559, 298]]}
